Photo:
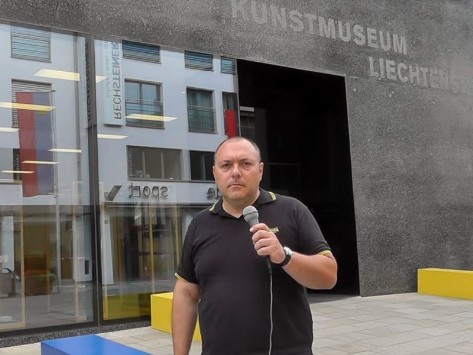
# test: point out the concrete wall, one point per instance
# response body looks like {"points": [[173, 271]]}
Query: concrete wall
{"points": [[409, 75]]}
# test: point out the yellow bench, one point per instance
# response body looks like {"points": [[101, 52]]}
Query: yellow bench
{"points": [[161, 308], [445, 282]]}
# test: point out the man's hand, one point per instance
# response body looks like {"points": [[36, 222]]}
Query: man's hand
{"points": [[266, 243]]}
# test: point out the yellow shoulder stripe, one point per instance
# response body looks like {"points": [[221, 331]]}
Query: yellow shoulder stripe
{"points": [[212, 207], [180, 277], [325, 252]]}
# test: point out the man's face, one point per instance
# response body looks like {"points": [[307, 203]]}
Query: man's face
{"points": [[238, 172]]}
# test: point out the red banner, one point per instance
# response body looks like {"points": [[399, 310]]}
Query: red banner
{"points": [[231, 123], [36, 141]]}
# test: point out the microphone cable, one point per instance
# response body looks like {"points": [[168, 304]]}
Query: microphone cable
{"points": [[251, 216], [271, 325]]}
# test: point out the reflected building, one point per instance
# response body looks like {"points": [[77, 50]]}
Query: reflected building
{"points": [[159, 115]]}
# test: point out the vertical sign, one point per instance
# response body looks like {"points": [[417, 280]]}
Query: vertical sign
{"points": [[110, 88]]}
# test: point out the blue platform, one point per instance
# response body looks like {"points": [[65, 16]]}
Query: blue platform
{"points": [[86, 345]]}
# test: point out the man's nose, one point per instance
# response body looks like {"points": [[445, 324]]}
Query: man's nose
{"points": [[235, 169]]}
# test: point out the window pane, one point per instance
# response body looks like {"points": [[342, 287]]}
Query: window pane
{"points": [[135, 163], [154, 164], [228, 65], [200, 111], [172, 163], [132, 90], [248, 122], [201, 165], [143, 107], [150, 92]]}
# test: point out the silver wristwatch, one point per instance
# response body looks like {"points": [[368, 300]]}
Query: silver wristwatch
{"points": [[288, 257]]}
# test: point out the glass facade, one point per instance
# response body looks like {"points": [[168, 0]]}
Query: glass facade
{"points": [[152, 172], [45, 216], [96, 195]]}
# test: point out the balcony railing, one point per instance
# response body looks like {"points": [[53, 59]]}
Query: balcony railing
{"points": [[201, 119], [152, 112]]}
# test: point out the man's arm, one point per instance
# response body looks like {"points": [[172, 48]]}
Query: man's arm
{"points": [[317, 271], [184, 315], [313, 271]]}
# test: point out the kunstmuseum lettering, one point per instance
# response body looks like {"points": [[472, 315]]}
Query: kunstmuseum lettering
{"points": [[381, 68], [321, 26]]}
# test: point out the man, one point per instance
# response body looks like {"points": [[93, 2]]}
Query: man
{"points": [[223, 275]]}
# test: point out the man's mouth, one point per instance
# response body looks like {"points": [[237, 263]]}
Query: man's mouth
{"points": [[235, 184]]}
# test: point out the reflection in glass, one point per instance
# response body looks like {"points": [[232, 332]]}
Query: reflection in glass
{"points": [[143, 257], [45, 239], [153, 163], [30, 43], [164, 175], [201, 165], [200, 111], [198, 61], [143, 100], [141, 51]]}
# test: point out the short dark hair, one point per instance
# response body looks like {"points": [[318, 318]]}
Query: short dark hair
{"points": [[239, 138]]}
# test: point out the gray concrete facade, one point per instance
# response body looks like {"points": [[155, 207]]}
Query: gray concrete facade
{"points": [[409, 86]]}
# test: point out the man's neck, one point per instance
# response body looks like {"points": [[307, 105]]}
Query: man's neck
{"points": [[235, 208]]}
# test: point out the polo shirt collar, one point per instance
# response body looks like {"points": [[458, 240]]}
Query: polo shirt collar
{"points": [[263, 198]]}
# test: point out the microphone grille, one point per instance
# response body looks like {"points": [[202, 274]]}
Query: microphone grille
{"points": [[249, 210], [251, 216]]}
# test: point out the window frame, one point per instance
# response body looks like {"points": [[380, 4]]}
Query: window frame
{"points": [[228, 65], [133, 122], [211, 109], [162, 160], [206, 160]]}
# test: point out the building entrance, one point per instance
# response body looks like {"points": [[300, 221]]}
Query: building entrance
{"points": [[299, 119]]}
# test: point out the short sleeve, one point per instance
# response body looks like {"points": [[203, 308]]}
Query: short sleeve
{"points": [[186, 269], [311, 239]]}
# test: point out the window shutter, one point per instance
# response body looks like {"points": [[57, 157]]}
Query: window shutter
{"points": [[200, 61], [140, 51], [32, 44], [227, 65]]}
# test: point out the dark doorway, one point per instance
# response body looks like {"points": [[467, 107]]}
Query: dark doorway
{"points": [[299, 119]]}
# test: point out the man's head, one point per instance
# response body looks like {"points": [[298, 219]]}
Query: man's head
{"points": [[238, 171]]}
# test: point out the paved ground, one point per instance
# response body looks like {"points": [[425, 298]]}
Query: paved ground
{"points": [[394, 324]]}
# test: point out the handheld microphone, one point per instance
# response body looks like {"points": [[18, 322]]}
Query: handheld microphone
{"points": [[251, 216]]}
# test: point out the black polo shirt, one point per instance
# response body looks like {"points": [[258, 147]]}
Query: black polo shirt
{"points": [[234, 282]]}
